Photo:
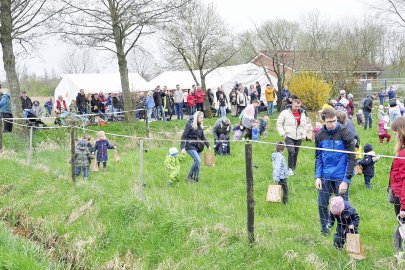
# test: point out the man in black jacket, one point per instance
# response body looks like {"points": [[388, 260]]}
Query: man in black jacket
{"points": [[158, 96], [368, 107], [26, 103], [81, 102]]}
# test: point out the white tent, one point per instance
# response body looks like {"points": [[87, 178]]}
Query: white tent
{"points": [[226, 77], [70, 84]]}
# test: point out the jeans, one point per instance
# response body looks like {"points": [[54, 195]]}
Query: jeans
{"points": [[195, 168], [191, 110], [48, 112], [367, 119], [25, 113], [200, 107], [367, 179], [292, 152], [283, 184], [178, 108], [150, 114], [222, 110], [329, 187], [381, 100], [85, 171], [160, 110], [394, 115], [270, 107]]}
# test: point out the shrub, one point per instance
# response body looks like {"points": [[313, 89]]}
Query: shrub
{"points": [[311, 89]]}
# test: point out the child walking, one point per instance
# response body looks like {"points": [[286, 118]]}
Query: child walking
{"points": [[101, 147], [172, 164], [82, 159], [222, 146], [280, 169], [368, 164], [347, 220], [382, 129], [263, 124]]}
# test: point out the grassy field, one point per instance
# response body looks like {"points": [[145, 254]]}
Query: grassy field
{"points": [[189, 226]]}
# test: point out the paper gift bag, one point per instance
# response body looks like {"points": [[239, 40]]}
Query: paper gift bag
{"points": [[354, 246], [274, 193], [358, 169], [93, 164], [209, 158], [116, 155]]}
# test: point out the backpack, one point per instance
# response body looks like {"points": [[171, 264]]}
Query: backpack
{"points": [[393, 102], [361, 103]]}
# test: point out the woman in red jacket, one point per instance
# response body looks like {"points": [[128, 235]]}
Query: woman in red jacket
{"points": [[191, 102], [397, 180]]}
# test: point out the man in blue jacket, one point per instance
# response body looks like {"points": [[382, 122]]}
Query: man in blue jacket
{"points": [[333, 169], [5, 110]]}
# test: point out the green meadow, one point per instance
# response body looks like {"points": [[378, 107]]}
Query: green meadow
{"points": [[188, 226]]}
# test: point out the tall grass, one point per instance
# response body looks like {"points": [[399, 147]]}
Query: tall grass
{"points": [[189, 226]]}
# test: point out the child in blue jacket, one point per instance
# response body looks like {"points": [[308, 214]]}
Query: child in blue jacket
{"points": [[101, 147], [346, 217], [367, 163], [280, 169]]}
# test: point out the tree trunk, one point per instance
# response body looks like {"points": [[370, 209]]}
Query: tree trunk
{"points": [[122, 61], [280, 84], [8, 56], [208, 113]]}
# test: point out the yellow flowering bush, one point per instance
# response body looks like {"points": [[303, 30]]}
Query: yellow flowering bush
{"points": [[311, 90]]}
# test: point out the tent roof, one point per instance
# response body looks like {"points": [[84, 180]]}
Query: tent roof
{"points": [[225, 76], [70, 84]]}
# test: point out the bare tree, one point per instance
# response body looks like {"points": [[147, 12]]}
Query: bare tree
{"points": [[21, 22], [116, 26], [144, 64], [199, 40], [279, 38], [76, 62], [391, 11]]}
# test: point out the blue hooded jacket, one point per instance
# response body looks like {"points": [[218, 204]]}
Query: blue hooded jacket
{"points": [[334, 166], [5, 104]]}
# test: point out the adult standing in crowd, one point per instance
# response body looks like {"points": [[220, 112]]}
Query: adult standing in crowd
{"points": [[397, 183], [210, 95], [368, 107], [350, 106], [81, 102], [36, 109], [158, 96], [199, 96], [394, 110], [252, 93], [223, 101], [248, 118], [5, 110], [291, 125], [193, 141], [103, 101], [333, 170], [270, 94], [26, 103], [96, 105], [191, 101], [178, 102], [391, 93], [169, 102], [60, 105], [149, 104], [242, 100], [48, 107], [258, 91], [285, 94], [233, 99], [381, 96]]}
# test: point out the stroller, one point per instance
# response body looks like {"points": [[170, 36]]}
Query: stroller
{"points": [[33, 121]]}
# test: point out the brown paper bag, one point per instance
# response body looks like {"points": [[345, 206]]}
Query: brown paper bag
{"points": [[93, 164], [274, 193], [354, 246], [358, 169], [116, 155], [209, 158]]}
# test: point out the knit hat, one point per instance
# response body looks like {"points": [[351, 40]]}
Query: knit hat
{"points": [[173, 151], [82, 143], [337, 205], [368, 148], [343, 92]]}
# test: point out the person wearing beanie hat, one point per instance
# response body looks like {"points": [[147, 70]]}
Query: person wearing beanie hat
{"points": [[172, 164], [5, 110], [346, 217], [367, 163], [82, 159]]}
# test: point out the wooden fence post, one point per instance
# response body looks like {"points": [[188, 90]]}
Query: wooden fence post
{"points": [[250, 195], [141, 169], [1, 134], [30, 146], [72, 153]]}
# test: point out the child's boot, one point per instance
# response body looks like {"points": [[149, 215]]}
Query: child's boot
{"points": [[104, 169], [85, 179]]}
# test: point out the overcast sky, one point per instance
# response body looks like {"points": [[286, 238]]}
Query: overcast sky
{"points": [[239, 14]]}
